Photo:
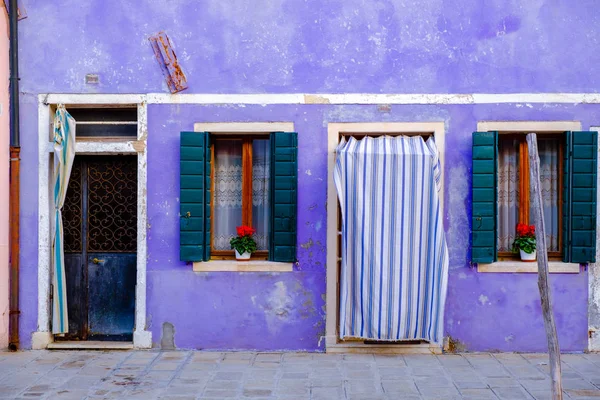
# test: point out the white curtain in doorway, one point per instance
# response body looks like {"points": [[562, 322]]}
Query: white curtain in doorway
{"points": [[64, 154], [394, 271]]}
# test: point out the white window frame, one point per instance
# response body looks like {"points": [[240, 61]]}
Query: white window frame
{"points": [[332, 342], [242, 128], [142, 338], [504, 127]]}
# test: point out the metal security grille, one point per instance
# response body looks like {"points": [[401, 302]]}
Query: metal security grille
{"points": [[73, 211], [112, 205]]}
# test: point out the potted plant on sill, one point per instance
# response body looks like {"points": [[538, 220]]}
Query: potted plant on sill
{"points": [[525, 242], [243, 244]]}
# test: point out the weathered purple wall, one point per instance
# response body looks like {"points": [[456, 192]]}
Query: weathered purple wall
{"points": [[284, 311], [438, 46], [433, 46], [229, 310]]}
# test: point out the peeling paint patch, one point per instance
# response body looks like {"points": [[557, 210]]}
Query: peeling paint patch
{"points": [[308, 244], [458, 188], [509, 338], [315, 99], [318, 225], [139, 145], [483, 300], [278, 307]]}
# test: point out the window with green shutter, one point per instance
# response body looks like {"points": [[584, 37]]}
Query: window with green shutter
{"points": [[501, 197], [251, 180], [284, 189], [484, 219], [194, 197], [579, 209]]}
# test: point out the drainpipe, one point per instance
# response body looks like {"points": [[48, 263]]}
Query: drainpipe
{"points": [[15, 150]]}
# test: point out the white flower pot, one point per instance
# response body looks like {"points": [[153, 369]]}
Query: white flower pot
{"points": [[242, 257], [528, 257]]}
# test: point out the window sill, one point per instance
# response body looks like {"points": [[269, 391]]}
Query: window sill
{"points": [[554, 267], [242, 266]]}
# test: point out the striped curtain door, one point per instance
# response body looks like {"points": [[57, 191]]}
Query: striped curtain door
{"points": [[64, 154], [394, 255]]}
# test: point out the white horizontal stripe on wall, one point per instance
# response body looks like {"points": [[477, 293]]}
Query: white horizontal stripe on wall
{"points": [[316, 98]]}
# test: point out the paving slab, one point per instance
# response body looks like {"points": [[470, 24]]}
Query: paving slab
{"points": [[154, 375]]}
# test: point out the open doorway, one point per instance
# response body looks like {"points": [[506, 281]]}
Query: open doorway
{"points": [[337, 131], [100, 230]]}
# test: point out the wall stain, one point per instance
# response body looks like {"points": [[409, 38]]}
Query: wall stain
{"points": [[455, 346], [308, 244]]}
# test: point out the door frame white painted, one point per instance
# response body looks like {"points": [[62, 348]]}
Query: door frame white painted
{"points": [[332, 342], [142, 337]]}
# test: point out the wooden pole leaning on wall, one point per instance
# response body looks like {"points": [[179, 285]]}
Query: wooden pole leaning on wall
{"points": [[542, 261]]}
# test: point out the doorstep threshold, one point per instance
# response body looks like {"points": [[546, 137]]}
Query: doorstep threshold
{"points": [[89, 345]]}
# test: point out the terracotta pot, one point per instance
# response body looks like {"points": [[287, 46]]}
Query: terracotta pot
{"points": [[528, 257], [242, 257]]}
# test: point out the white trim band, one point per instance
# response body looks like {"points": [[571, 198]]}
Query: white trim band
{"points": [[321, 98]]}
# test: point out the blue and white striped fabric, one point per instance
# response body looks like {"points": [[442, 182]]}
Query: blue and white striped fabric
{"points": [[394, 254], [64, 153]]}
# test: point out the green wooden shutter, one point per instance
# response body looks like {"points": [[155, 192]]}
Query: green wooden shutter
{"points": [[579, 197], [484, 204], [283, 194], [194, 198]]}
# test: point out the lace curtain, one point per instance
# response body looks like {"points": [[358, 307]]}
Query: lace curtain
{"points": [[549, 160], [508, 190], [228, 192]]}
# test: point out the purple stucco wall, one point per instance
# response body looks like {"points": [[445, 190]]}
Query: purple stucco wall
{"points": [[434, 46], [439, 46]]}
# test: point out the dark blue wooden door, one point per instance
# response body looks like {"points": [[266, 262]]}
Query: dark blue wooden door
{"points": [[100, 219], [111, 298]]}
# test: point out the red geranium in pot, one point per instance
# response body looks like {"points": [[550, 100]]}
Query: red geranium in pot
{"points": [[525, 242], [243, 244]]}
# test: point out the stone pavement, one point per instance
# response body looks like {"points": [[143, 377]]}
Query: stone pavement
{"points": [[205, 375]]}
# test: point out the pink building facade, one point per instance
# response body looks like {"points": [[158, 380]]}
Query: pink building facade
{"points": [[4, 179]]}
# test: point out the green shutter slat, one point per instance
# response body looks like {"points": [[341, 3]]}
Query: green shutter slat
{"points": [[194, 196], [484, 196], [283, 195], [579, 197]]}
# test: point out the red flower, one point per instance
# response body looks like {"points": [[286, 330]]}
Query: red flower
{"points": [[245, 231], [524, 230]]}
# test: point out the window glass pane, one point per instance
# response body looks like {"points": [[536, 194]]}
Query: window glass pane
{"points": [[92, 122], [508, 191], [261, 161], [227, 192], [549, 164]]}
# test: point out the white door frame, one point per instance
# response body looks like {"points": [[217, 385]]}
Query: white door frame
{"points": [[142, 338], [332, 342]]}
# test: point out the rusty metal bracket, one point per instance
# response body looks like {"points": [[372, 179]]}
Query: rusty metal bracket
{"points": [[21, 12], [167, 60]]}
